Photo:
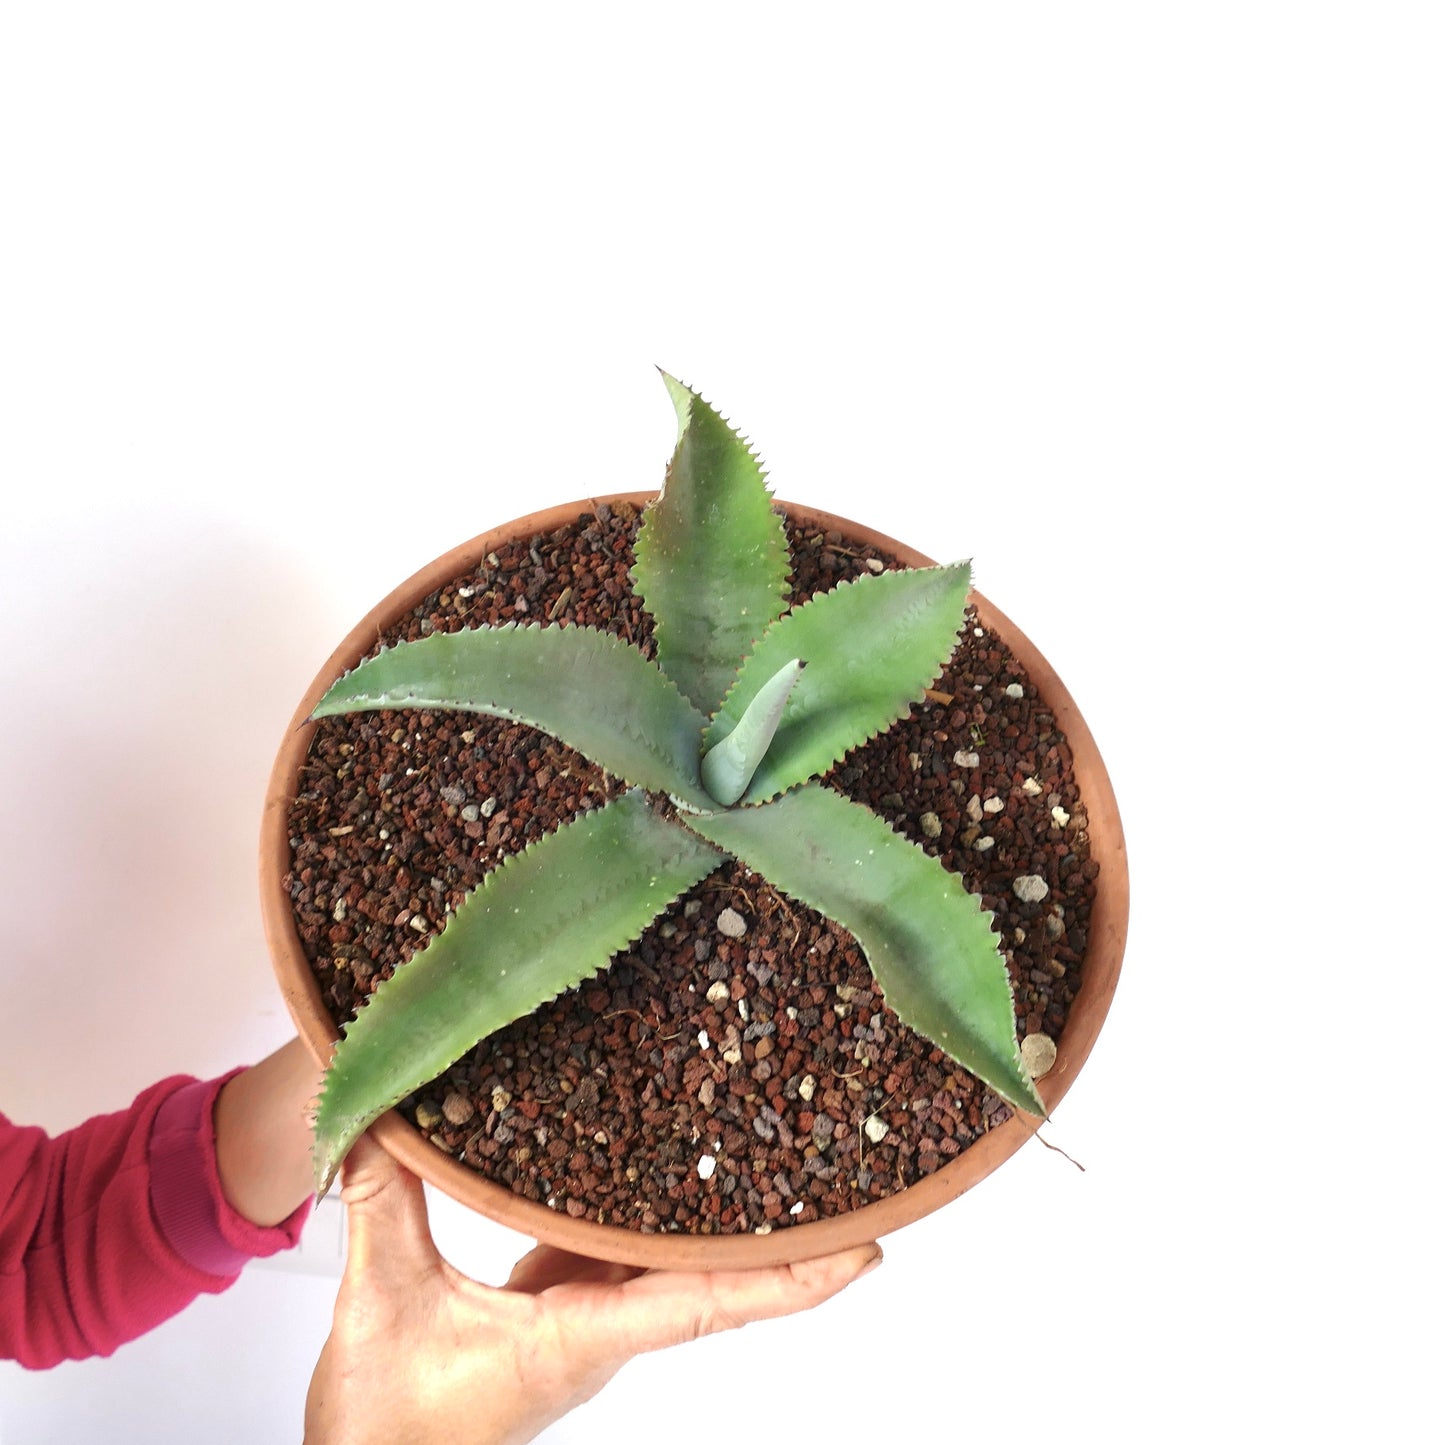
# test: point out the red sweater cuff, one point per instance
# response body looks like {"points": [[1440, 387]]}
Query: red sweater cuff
{"points": [[186, 1197]]}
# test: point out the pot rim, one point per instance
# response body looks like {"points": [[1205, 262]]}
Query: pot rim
{"points": [[1100, 973]]}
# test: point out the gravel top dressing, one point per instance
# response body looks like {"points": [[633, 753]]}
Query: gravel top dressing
{"points": [[736, 1069]]}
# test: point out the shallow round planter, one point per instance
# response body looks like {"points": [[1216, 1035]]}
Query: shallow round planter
{"points": [[1100, 970]]}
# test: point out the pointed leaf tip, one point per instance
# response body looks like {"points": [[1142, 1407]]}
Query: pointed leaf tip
{"points": [[682, 397]]}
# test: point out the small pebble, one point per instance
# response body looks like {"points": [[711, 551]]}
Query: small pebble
{"points": [[875, 1129], [983, 845], [930, 825], [1039, 1053], [703, 1042], [500, 1099], [993, 805], [1060, 817], [718, 992], [458, 1109], [706, 1167], [1033, 787], [730, 923], [806, 1087], [1014, 689], [1030, 888], [965, 760]]}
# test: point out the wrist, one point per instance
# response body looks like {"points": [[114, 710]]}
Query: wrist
{"points": [[263, 1135]]}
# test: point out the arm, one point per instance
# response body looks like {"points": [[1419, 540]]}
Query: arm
{"points": [[419, 1352], [263, 1135], [114, 1226]]}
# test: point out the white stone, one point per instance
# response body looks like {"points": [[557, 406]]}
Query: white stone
{"points": [[875, 1129], [1060, 817], [730, 923], [1014, 689], [706, 1167], [703, 1042], [1033, 787], [718, 992], [983, 845], [965, 760], [993, 805], [1031, 888]]}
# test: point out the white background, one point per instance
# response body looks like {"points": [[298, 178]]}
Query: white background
{"points": [[1138, 305]]}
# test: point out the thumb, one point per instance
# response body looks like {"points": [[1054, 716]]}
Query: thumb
{"points": [[388, 1237], [662, 1309]]}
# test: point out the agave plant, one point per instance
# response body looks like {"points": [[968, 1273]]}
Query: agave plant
{"points": [[720, 741]]}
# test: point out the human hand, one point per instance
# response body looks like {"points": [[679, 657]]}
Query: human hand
{"points": [[419, 1352]]}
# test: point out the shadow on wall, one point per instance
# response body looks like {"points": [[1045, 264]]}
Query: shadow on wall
{"points": [[151, 683]]}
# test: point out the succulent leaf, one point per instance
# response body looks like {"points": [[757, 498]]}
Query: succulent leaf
{"points": [[587, 688], [928, 941], [711, 555], [728, 766], [542, 921], [871, 647]]}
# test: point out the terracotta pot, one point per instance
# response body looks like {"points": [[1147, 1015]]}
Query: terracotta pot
{"points": [[1108, 924]]}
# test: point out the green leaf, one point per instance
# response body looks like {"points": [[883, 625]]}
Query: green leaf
{"points": [[585, 687], [543, 921], [728, 766], [927, 939], [711, 555], [872, 646]]}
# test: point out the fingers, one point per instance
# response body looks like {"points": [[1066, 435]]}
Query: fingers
{"points": [[547, 1265], [661, 1309], [386, 1220]]}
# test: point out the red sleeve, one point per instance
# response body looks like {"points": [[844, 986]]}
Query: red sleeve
{"points": [[111, 1228]]}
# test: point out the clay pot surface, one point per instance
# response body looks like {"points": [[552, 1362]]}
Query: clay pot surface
{"points": [[1102, 960]]}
